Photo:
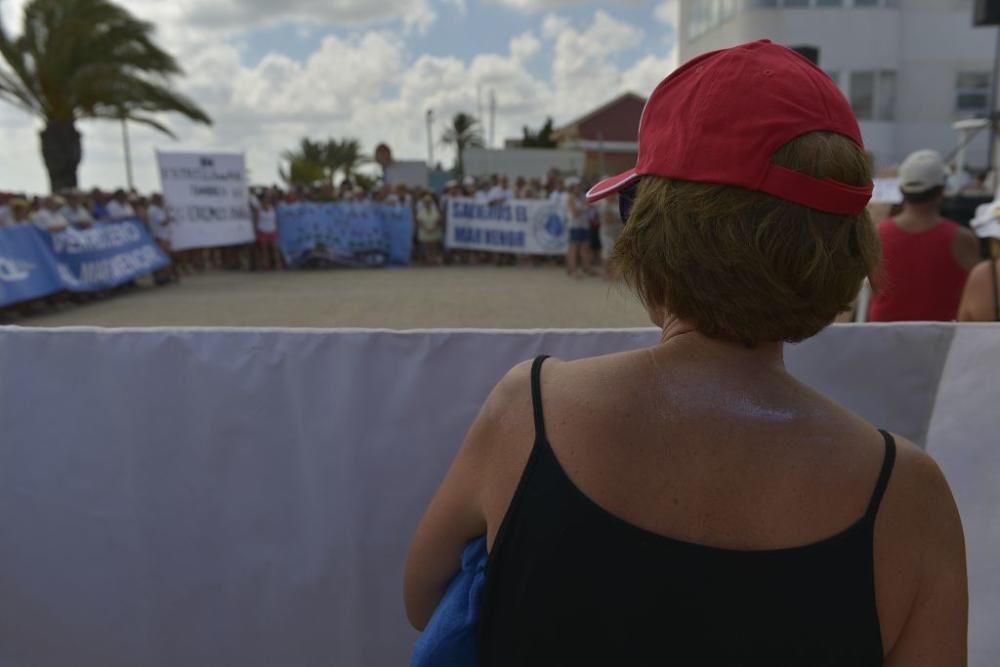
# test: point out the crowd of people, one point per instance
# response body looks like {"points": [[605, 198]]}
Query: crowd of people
{"points": [[924, 274], [592, 230]]}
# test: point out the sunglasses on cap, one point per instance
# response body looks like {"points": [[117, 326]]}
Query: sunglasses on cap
{"points": [[626, 199]]}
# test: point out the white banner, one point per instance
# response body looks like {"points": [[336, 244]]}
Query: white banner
{"points": [[207, 197], [521, 226]]}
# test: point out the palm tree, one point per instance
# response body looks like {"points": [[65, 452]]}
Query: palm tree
{"points": [[540, 139], [307, 164], [463, 133], [81, 59], [349, 156]]}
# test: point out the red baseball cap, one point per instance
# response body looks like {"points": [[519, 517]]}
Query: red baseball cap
{"points": [[720, 118]]}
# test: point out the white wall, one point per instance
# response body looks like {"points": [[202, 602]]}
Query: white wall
{"points": [[526, 162]]}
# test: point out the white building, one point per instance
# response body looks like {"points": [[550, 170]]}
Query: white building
{"points": [[910, 68]]}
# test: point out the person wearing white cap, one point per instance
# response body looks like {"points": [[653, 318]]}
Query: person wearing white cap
{"points": [[925, 258]]}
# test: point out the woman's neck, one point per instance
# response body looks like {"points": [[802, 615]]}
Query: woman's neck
{"points": [[683, 338]]}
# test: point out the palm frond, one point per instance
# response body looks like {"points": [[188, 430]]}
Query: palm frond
{"points": [[90, 59]]}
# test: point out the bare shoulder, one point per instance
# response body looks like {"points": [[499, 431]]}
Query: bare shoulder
{"points": [[980, 276], [917, 476], [919, 513], [920, 564]]}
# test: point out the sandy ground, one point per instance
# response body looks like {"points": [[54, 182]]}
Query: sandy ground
{"points": [[486, 297]]}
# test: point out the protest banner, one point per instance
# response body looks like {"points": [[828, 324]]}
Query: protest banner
{"points": [[208, 199], [27, 267], [522, 226], [105, 256], [35, 263], [345, 234]]}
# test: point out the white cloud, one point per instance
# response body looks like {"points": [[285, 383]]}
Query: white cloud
{"points": [[365, 85], [667, 12], [536, 5], [244, 13], [582, 72], [457, 4], [524, 46]]}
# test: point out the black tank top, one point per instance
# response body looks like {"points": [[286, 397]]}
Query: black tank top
{"points": [[568, 583]]}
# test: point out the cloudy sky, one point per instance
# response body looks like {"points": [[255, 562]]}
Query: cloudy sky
{"points": [[271, 71]]}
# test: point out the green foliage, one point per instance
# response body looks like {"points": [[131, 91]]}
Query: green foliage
{"points": [[464, 132], [540, 139], [313, 162], [80, 59]]}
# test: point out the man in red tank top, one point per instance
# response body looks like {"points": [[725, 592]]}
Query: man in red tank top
{"points": [[925, 258]]}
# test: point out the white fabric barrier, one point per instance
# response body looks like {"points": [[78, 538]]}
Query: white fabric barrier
{"points": [[246, 497]]}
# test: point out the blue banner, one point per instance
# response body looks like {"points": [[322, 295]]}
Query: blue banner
{"points": [[35, 263], [27, 268], [345, 234], [106, 255]]}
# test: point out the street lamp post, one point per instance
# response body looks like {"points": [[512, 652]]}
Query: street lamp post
{"points": [[128, 154], [430, 138]]}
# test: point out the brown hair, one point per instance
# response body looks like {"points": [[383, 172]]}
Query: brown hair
{"points": [[745, 266]]}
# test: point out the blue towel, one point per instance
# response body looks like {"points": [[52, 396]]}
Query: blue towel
{"points": [[451, 636]]}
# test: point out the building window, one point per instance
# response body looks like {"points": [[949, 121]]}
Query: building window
{"points": [[863, 94], [873, 95], [823, 3], [972, 93], [706, 15], [885, 96]]}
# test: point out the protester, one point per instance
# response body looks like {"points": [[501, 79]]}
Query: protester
{"points": [[119, 207], [430, 230], [268, 253], [161, 228], [48, 216], [925, 258], [99, 205], [578, 254], [6, 214], [611, 229], [20, 212], [76, 213], [692, 503]]}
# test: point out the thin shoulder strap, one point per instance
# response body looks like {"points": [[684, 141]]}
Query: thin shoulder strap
{"points": [[883, 477], [996, 289], [536, 397]]}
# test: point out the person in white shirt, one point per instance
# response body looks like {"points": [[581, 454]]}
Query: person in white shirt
{"points": [[75, 212], [48, 217], [268, 253], [6, 214], [161, 227], [500, 192], [119, 208]]}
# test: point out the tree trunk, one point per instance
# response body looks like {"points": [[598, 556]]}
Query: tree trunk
{"points": [[460, 159], [62, 151]]}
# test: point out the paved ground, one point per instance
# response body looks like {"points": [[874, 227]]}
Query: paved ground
{"points": [[486, 297]]}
